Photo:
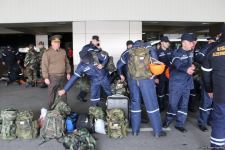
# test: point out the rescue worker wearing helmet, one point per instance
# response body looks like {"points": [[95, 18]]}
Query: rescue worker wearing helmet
{"points": [[143, 86], [180, 83]]}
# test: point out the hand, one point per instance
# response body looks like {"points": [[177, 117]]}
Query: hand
{"points": [[61, 92], [210, 95], [193, 66], [68, 76], [157, 81], [122, 78], [18, 62], [3, 63], [191, 70], [47, 81], [100, 66]]}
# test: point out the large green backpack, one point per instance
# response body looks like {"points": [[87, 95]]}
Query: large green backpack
{"points": [[8, 123], [96, 113], [79, 140], [120, 88], [117, 123], [26, 128], [139, 59], [60, 106], [110, 66], [53, 126]]}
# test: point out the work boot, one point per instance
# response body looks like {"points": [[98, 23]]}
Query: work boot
{"points": [[161, 134], [166, 124], [135, 133], [43, 85], [203, 128], [181, 129]]}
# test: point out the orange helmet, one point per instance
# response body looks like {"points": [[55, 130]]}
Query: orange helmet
{"points": [[167, 73], [156, 69]]}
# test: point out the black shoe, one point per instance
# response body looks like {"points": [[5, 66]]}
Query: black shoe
{"points": [[135, 133], [28, 85], [43, 85], [161, 134], [166, 124], [203, 128], [181, 129]]}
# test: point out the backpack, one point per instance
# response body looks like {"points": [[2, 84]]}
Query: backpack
{"points": [[26, 128], [139, 59], [79, 140], [71, 121], [8, 123], [97, 118], [84, 121], [110, 65], [53, 126], [119, 87], [96, 113], [117, 123], [60, 106]]}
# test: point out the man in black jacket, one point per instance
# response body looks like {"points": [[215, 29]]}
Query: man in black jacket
{"points": [[214, 80]]}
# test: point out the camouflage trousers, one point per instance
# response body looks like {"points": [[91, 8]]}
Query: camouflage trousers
{"points": [[56, 83], [31, 74]]}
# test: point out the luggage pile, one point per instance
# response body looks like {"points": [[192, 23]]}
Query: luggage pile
{"points": [[18, 124], [69, 128]]}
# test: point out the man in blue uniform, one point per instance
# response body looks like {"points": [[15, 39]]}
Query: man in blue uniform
{"points": [[213, 68], [144, 87], [180, 83], [164, 55], [10, 57], [205, 107], [98, 77], [92, 48], [120, 64]]}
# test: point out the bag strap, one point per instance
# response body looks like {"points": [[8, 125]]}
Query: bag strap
{"points": [[57, 100]]}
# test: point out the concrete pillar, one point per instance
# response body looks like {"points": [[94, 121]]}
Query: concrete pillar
{"points": [[113, 35]]}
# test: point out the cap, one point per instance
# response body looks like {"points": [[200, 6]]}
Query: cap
{"points": [[41, 43], [95, 37], [164, 39], [56, 38], [138, 43], [130, 43], [188, 37]]}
